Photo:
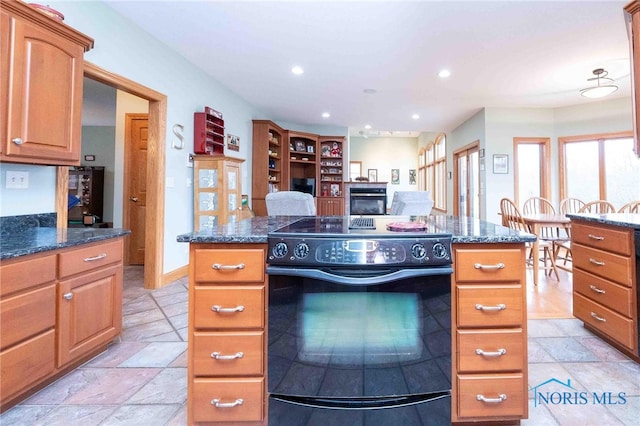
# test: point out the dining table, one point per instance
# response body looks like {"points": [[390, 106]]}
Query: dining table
{"points": [[536, 222]]}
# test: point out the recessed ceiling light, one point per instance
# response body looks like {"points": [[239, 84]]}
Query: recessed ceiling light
{"points": [[370, 91], [444, 74], [297, 70], [415, 116], [326, 115], [368, 126]]}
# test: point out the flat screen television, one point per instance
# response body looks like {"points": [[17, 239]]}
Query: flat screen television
{"points": [[307, 185]]}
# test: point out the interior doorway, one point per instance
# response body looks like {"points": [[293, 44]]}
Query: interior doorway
{"points": [[466, 185], [153, 176]]}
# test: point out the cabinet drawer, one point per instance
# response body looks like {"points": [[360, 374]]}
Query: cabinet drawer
{"points": [[488, 265], [608, 239], [240, 307], [605, 292], [490, 306], [21, 275], [490, 351], [228, 391], [26, 315], [24, 364], [90, 257], [504, 395], [617, 268], [605, 320], [235, 265], [244, 352]]}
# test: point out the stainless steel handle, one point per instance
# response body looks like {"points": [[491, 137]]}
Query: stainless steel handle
{"points": [[596, 237], [598, 318], [134, 199], [502, 397], [489, 267], [218, 355], [220, 309], [220, 267], [497, 353], [68, 296], [17, 141], [596, 262], [216, 403], [500, 307], [98, 257], [596, 289]]}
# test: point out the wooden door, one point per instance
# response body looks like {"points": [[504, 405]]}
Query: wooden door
{"points": [[466, 187], [135, 195]]}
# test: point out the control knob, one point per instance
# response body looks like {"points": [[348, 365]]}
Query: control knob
{"points": [[279, 250], [418, 251], [439, 251], [301, 250]]}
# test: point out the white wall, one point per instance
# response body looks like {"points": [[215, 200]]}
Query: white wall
{"points": [[40, 197]]}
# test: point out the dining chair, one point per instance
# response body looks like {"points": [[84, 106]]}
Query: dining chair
{"points": [[535, 205], [571, 205], [512, 218], [598, 206], [290, 203], [567, 205], [630, 207], [556, 236]]}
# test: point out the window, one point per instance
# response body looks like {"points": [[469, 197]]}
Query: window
{"points": [[600, 167], [531, 168], [432, 162], [355, 170]]}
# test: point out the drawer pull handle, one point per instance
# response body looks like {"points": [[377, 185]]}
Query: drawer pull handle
{"points": [[218, 355], [596, 237], [502, 397], [489, 267], [500, 307], [497, 353], [220, 309], [17, 141], [598, 318], [98, 257], [219, 267], [67, 296], [596, 262], [216, 403], [596, 289]]}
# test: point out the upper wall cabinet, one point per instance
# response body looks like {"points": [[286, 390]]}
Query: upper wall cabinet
{"points": [[633, 31], [41, 83]]}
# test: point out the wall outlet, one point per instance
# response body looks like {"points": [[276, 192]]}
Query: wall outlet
{"points": [[17, 180]]}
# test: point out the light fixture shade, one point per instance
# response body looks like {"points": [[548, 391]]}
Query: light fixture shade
{"points": [[599, 90]]}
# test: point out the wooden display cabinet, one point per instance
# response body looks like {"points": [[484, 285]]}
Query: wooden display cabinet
{"points": [[217, 190], [270, 163], [41, 78], [331, 175], [86, 184], [208, 132], [303, 150]]}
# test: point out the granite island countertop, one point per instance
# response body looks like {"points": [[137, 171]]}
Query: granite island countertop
{"points": [[40, 239], [629, 220], [463, 229]]}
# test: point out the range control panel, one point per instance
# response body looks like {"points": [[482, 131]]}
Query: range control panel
{"points": [[426, 251]]}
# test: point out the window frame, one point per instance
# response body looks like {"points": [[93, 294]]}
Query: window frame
{"points": [[544, 145]]}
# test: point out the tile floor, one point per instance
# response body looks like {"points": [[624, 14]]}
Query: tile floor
{"points": [[141, 379]]}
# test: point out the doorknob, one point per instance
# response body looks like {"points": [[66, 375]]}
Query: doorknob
{"points": [[134, 199]]}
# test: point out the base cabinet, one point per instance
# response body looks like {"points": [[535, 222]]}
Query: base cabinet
{"points": [[489, 330], [330, 206], [56, 311]]}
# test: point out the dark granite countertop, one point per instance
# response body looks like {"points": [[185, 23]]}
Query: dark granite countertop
{"points": [[36, 239], [629, 220], [255, 230]]}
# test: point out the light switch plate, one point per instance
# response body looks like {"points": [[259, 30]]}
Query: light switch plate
{"points": [[17, 180]]}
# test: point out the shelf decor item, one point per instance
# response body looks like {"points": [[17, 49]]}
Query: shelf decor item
{"points": [[233, 142], [208, 132], [373, 175]]}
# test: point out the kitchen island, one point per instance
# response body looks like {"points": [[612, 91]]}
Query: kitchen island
{"points": [[228, 316]]}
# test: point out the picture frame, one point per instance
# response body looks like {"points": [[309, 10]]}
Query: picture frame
{"points": [[395, 176], [291, 146], [233, 142], [500, 163], [373, 175], [310, 149], [412, 177], [300, 146]]}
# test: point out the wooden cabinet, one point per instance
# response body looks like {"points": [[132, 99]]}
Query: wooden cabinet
{"points": [[632, 12], [332, 171], [302, 174], [208, 132], [87, 185], [217, 197], [330, 206], [605, 283], [227, 317], [270, 160], [43, 77], [489, 368], [56, 311]]}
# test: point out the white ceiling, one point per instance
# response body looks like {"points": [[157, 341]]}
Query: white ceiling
{"points": [[500, 54]]}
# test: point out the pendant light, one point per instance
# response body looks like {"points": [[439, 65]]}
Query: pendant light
{"points": [[604, 85]]}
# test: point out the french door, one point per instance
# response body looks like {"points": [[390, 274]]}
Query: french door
{"points": [[466, 186]]}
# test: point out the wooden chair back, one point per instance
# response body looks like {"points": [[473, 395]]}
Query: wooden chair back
{"points": [[630, 207], [511, 216], [598, 206], [571, 205], [538, 205]]}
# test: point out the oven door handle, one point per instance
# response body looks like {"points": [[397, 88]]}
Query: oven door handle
{"points": [[348, 279]]}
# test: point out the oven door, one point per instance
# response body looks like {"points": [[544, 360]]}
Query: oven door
{"points": [[351, 345]]}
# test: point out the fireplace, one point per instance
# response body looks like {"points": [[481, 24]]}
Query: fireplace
{"points": [[366, 198]]}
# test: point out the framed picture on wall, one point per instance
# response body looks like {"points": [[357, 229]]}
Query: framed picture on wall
{"points": [[395, 176], [373, 175], [500, 164], [412, 176]]}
